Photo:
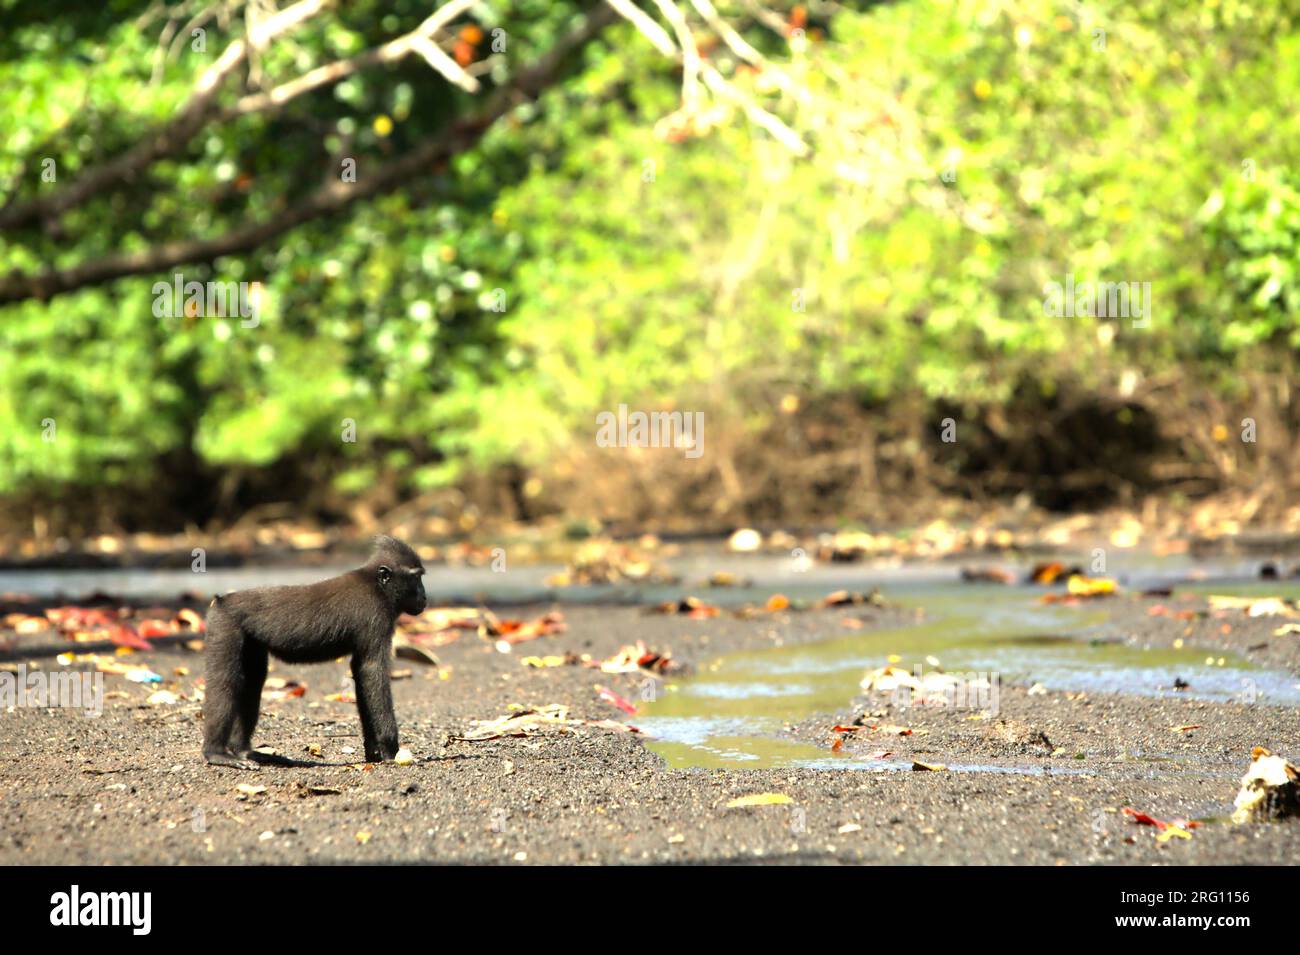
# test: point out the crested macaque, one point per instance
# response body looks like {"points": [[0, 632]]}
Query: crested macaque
{"points": [[352, 614]]}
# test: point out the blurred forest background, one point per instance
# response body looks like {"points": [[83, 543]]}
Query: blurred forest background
{"points": [[833, 235]]}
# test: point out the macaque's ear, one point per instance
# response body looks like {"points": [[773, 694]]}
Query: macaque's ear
{"points": [[385, 573]]}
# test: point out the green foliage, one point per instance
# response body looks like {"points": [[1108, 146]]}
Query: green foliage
{"points": [[642, 269]]}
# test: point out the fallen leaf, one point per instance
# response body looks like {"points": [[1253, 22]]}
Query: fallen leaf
{"points": [[1177, 828], [724, 578], [187, 619], [23, 624], [1080, 586], [319, 791], [541, 663], [519, 631], [405, 648], [601, 561], [277, 688], [151, 629], [633, 658], [124, 635], [845, 598], [524, 720], [1047, 573], [691, 607], [1254, 606], [874, 728], [609, 696], [759, 799], [987, 575]]}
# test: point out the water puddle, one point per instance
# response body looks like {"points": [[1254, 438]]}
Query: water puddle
{"points": [[731, 713]]}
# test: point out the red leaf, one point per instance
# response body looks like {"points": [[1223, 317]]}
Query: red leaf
{"points": [[609, 696], [125, 636]]}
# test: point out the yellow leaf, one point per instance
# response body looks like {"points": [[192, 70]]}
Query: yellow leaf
{"points": [[759, 799], [542, 662], [1081, 586]]}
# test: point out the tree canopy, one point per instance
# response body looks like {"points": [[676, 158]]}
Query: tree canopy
{"points": [[762, 210]]}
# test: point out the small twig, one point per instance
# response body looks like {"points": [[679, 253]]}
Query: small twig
{"points": [[646, 25], [331, 73], [444, 64], [691, 65], [742, 48], [766, 17], [761, 117]]}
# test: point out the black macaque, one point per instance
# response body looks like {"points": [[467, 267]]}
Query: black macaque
{"points": [[353, 613]]}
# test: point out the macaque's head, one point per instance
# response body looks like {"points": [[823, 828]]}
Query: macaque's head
{"points": [[399, 574]]}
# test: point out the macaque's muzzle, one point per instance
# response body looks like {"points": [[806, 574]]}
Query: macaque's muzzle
{"points": [[415, 601]]}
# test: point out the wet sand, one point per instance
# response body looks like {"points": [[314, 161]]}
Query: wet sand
{"points": [[130, 787]]}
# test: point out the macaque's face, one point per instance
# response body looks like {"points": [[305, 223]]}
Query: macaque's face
{"points": [[406, 584]]}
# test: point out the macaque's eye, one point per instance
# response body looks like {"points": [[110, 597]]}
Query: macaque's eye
{"points": [[384, 575]]}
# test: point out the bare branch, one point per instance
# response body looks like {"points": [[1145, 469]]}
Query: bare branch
{"points": [[738, 44], [333, 72], [759, 116], [742, 48], [768, 18], [690, 53], [659, 38], [648, 28], [444, 64]]}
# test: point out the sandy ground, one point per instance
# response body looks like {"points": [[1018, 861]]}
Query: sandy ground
{"points": [[129, 787]]}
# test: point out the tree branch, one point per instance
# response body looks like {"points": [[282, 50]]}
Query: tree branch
{"points": [[333, 72], [172, 136], [461, 135]]}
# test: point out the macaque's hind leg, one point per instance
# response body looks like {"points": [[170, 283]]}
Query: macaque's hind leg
{"points": [[224, 686], [253, 662]]}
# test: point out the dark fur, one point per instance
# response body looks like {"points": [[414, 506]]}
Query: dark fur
{"points": [[352, 614]]}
